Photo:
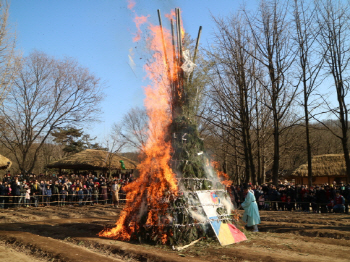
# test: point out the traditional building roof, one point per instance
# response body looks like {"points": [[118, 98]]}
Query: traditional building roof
{"points": [[324, 165], [4, 162], [91, 159]]}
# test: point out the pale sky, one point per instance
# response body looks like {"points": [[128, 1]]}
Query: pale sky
{"points": [[98, 34]]}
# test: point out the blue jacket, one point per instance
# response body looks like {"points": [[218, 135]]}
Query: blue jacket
{"points": [[80, 194], [48, 192]]}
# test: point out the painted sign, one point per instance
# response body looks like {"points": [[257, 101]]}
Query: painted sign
{"points": [[226, 232]]}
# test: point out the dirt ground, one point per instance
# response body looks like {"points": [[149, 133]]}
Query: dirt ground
{"points": [[70, 234]]}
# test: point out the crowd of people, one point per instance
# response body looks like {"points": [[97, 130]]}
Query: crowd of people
{"points": [[69, 189], [287, 197], [90, 189]]}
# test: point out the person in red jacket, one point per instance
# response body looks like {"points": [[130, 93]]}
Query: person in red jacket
{"points": [[339, 203], [283, 200]]}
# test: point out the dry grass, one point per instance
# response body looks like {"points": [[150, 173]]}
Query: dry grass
{"points": [[91, 159], [324, 165]]}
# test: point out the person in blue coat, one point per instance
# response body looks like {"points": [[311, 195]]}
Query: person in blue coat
{"points": [[251, 212], [47, 194]]}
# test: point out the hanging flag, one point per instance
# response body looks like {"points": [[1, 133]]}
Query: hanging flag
{"points": [[122, 164]]}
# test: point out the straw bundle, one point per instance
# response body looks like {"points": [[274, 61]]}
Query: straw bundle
{"points": [[92, 159], [324, 165], [4, 162]]}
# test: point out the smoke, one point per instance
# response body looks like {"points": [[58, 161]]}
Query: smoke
{"points": [[139, 20], [143, 210], [194, 208], [201, 218], [228, 204], [131, 4]]}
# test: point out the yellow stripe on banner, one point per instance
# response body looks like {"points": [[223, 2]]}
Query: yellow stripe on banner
{"points": [[225, 236]]}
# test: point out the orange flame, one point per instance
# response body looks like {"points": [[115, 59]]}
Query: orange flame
{"points": [[225, 180], [164, 238], [148, 196]]}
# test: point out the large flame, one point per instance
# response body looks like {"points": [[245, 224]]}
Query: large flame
{"points": [[149, 195]]}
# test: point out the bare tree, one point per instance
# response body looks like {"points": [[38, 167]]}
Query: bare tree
{"points": [[114, 143], [333, 18], [270, 31], [133, 128], [46, 94], [7, 57], [232, 86], [309, 63]]}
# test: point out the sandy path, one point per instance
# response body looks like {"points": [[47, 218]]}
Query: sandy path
{"points": [[9, 254]]}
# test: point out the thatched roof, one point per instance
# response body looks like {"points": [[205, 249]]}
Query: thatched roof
{"points": [[4, 162], [324, 165], [91, 159]]}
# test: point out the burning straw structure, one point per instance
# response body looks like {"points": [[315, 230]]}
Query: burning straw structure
{"points": [[163, 203]]}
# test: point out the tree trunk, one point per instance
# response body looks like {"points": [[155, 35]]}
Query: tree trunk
{"points": [[276, 153], [308, 148]]}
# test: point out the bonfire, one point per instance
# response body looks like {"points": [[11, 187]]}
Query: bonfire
{"points": [[178, 197]]}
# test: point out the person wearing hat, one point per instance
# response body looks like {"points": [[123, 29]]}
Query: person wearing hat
{"points": [[251, 212]]}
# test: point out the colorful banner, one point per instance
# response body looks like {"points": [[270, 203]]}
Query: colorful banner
{"points": [[226, 233]]}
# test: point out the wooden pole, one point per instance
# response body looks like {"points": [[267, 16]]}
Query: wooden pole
{"points": [[181, 82], [195, 50], [197, 43], [179, 33], [163, 41], [174, 97]]}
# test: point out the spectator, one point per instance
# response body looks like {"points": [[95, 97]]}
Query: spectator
{"points": [[95, 192], [22, 198], [16, 191], [261, 201], [55, 192], [80, 196], [89, 195], [9, 195], [2, 195], [64, 194], [322, 199], [339, 203], [36, 192], [267, 201], [72, 194], [27, 195], [273, 197], [47, 194], [305, 199], [290, 204], [42, 191], [115, 193], [330, 205], [283, 201], [104, 192]]}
